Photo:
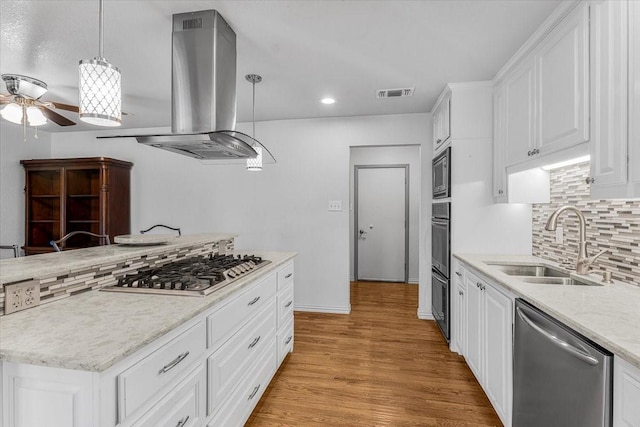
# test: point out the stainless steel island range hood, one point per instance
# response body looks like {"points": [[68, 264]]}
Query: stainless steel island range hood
{"points": [[203, 91]]}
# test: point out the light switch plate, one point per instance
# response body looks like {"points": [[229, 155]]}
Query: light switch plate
{"points": [[335, 205], [20, 296]]}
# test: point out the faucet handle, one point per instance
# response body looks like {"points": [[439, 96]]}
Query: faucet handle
{"points": [[591, 259]]}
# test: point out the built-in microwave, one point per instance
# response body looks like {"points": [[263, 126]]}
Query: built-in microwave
{"points": [[442, 175]]}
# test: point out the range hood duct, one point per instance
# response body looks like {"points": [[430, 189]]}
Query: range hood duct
{"points": [[203, 91]]}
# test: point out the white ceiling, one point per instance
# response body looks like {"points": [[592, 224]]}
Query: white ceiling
{"points": [[304, 50]]}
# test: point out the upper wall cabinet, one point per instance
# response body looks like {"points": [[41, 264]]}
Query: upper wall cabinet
{"points": [[442, 121], [615, 106], [542, 104]]}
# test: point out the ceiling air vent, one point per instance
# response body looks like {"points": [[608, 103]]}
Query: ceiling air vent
{"points": [[394, 93]]}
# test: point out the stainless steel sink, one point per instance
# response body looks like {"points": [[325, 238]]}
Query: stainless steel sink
{"points": [[529, 270], [557, 281]]}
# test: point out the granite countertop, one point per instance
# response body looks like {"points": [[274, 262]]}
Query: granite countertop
{"points": [[57, 263], [94, 330], [609, 315]]}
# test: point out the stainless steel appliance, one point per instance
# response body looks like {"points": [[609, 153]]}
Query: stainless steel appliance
{"points": [[194, 276], [440, 254], [203, 92], [441, 171], [560, 377]]}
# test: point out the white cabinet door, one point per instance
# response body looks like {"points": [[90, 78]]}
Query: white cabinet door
{"points": [[609, 34], [43, 396], [626, 394], [474, 346], [442, 123], [499, 145], [498, 344], [562, 66], [459, 334], [519, 113]]}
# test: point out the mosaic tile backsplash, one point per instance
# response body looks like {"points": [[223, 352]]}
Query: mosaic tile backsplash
{"points": [[57, 287], [611, 224]]}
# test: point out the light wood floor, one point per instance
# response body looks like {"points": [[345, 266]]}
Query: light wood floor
{"points": [[378, 366]]}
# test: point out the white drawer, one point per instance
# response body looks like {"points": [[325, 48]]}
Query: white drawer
{"points": [[224, 322], [285, 305], [285, 341], [184, 406], [285, 275], [146, 378], [237, 408], [231, 361]]}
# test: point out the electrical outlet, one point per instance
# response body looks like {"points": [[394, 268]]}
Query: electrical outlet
{"points": [[20, 296], [335, 205], [559, 234]]}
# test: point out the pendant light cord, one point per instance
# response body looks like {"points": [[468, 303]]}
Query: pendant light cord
{"points": [[101, 30], [254, 109]]}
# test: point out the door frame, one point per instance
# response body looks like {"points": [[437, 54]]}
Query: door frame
{"points": [[356, 227]]}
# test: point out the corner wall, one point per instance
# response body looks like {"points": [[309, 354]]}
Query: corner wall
{"points": [[12, 150]]}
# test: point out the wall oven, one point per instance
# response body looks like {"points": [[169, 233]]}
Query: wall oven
{"points": [[442, 175], [440, 255]]}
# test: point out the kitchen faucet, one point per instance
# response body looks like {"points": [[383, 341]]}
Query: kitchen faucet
{"points": [[583, 262]]}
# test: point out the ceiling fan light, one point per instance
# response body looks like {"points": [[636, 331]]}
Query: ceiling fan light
{"points": [[35, 117], [100, 93], [13, 113], [255, 164]]}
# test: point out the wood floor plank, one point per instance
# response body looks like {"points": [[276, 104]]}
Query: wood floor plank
{"points": [[378, 366]]}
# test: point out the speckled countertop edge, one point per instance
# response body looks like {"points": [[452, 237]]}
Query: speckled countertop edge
{"points": [[609, 315], [58, 263], [95, 330]]}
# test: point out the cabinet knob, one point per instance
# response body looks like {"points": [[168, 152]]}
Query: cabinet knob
{"points": [[590, 180], [479, 285], [535, 151], [458, 274], [500, 192], [529, 153], [438, 141], [460, 293]]}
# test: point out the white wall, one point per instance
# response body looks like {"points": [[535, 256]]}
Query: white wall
{"points": [[391, 156], [284, 207], [12, 150]]}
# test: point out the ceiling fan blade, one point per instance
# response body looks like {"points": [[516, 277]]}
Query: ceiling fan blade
{"points": [[56, 118], [66, 107], [6, 99]]}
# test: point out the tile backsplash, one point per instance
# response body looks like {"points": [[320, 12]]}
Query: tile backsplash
{"points": [[611, 224]]}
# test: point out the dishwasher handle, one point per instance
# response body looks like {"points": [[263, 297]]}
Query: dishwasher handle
{"points": [[580, 354]]}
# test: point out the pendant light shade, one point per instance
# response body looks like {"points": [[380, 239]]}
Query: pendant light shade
{"points": [[13, 113], [255, 164], [35, 117], [100, 88]]}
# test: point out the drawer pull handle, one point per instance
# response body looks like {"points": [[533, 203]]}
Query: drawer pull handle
{"points": [[173, 363], [288, 340], [254, 392], [183, 422], [254, 342], [288, 275], [253, 301], [288, 304], [458, 274]]}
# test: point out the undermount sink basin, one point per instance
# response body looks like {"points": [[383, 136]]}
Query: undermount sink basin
{"points": [[530, 270], [557, 281]]}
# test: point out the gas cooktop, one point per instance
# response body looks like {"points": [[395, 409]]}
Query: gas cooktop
{"points": [[195, 276]]}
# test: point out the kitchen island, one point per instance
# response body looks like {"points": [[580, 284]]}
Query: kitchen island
{"points": [[105, 358], [483, 296]]}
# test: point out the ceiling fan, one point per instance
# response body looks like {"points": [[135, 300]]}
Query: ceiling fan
{"points": [[23, 103]]}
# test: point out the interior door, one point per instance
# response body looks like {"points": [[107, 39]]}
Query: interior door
{"points": [[381, 223]]}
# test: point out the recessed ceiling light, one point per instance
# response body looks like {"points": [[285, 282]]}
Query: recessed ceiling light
{"points": [[328, 101]]}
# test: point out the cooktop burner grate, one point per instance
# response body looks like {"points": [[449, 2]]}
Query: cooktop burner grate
{"points": [[196, 276]]}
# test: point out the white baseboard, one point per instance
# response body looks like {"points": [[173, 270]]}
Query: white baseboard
{"points": [[425, 315], [414, 281], [323, 309]]}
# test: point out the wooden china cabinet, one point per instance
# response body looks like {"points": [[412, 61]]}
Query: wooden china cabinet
{"points": [[81, 194]]}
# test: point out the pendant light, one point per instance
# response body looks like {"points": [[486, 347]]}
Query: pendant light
{"points": [[254, 164], [100, 87]]}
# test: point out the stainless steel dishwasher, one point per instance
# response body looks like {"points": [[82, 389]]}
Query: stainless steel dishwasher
{"points": [[560, 378]]}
